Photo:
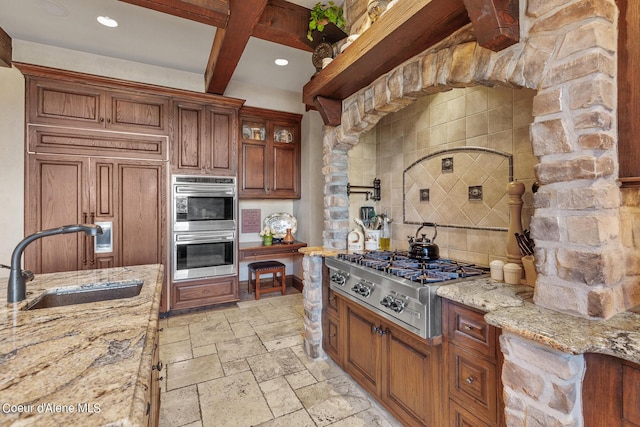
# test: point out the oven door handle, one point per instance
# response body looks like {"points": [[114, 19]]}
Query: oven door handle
{"points": [[210, 238], [208, 190]]}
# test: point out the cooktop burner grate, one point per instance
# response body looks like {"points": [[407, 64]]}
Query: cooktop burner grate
{"points": [[399, 264]]}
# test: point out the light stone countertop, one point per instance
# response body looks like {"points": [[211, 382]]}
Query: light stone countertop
{"points": [[319, 251], [85, 364], [510, 308]]}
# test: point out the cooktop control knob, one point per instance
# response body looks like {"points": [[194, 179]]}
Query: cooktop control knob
{"points": [[397, 305], [361, 288], [338, 279]]}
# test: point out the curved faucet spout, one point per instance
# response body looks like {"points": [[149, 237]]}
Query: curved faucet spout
{"points": [[17, 289]]}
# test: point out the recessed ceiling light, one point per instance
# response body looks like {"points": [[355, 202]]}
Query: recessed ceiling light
{"points": [[281, 62], [107, 22]]}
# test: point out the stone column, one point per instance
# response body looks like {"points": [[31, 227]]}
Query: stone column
{"points": [[312, 297], [542, 386]]}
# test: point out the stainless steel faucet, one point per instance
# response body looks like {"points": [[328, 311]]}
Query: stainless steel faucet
{"points": [[17, 290]]}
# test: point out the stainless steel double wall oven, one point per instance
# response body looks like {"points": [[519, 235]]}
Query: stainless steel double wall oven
{"points": [[204, 214]]}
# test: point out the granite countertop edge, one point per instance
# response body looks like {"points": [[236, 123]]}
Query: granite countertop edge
{"points": [[97, 353], [320, 251], [510, 308]]}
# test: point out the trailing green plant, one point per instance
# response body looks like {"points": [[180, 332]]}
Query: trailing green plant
{"points": [[322, 14]]}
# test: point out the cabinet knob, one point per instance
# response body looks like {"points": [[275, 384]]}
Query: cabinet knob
{"points": [[157, 367], [468, 327], [101, 119], [470, 380]]}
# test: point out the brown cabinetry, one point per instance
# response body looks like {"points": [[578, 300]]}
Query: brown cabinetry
{"points": [[401, 370], [628, 91], [200, 293], [611, 392], [127, 194], [204, 138], [331, 309], [74, 104], [269, 160], [473, 367]]}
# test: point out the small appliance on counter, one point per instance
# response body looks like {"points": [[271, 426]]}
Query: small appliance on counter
{"points": [[355, 241]]}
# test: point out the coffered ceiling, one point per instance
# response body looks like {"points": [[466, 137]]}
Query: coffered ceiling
{"points": [[222, 40]]}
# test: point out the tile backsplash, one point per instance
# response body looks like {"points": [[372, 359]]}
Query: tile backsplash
{"points": [[484, 133]]}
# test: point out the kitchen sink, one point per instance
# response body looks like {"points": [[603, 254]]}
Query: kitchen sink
{"points": [[87, 294]]}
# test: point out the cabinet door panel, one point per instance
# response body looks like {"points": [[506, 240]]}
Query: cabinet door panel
{"points": [[253, 167], [138, 113], [362, 352], [59, 103], [631, 393], [190, 139], [223, 146], [409, 376], [283, 170], [140, 213], [56, 196]]}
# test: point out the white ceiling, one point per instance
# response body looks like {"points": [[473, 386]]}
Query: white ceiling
{"points": [[149, 37]]}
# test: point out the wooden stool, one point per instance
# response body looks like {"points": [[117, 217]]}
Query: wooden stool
{"points": [[267, 267]]}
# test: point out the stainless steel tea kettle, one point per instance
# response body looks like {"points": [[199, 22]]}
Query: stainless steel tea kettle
{"points": [[422, 247]]}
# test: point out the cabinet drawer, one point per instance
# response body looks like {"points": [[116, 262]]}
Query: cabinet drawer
{"points": [[201, 293], [472, 383], [631, 394], [332, 339], [459, 417], [467, 328], [332, 303]]}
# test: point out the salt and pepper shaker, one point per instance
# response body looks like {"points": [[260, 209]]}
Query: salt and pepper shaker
{"points": [[515, 190]]}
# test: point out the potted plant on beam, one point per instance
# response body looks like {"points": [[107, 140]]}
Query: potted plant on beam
{"points": [[322, 15], [326, 27]]}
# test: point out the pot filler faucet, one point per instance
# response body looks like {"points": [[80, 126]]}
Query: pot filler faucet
{"points": [[17, 289]]}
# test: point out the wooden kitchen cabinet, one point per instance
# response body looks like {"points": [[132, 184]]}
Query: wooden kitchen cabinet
{"points": [[628, 92], [62, 190], [269, 159], [331, 309], [204, 138], [203, 292], [473, 366], [400, 369], [81, 105], [611, 392]]}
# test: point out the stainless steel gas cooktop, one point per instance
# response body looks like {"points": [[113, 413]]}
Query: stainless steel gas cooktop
{"points": [[399, 288]]}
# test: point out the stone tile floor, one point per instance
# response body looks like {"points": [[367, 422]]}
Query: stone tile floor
{"points": [[244, 365]]}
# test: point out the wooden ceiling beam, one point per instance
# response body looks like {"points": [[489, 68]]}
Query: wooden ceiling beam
{"points": [[284, 23], [210, 12], [229, 43], [405, 30], [5, 49]]}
